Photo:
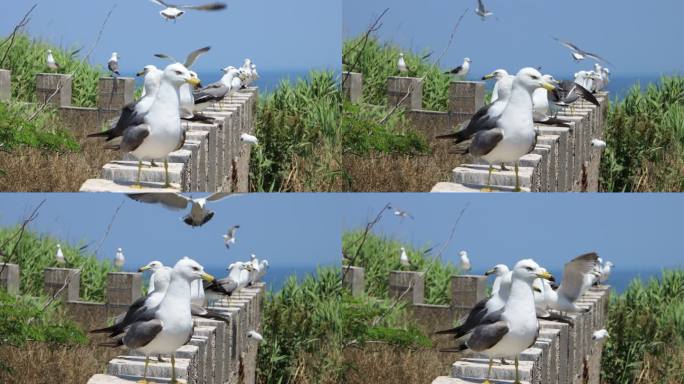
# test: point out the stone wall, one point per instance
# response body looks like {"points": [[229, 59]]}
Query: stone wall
{"points": [[562, 161], [562, 354], [219, 351]]}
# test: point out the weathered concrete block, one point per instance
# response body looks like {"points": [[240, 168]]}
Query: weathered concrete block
{"points": [[56, 278], [201, 342], [545, 360], [406, 92], [564, 345], [10, 278], [477, 174], [191, 353], [113, 94], [222, 120], [184, 157], [467, 290], [453, 380], [534, 161], [212, 358], [564, 159], [552, 336], [202, 138], [123, 288], [354, 279], [102, 185], [535, 356], [407, 285], [126, 173], [544, 165], [352, 86], [132, 367], [108, 379], [5, 84], [447, 187], [477, 368], [212, 149], [466, 97], [54, 89], [553, 173], [193, 146]]}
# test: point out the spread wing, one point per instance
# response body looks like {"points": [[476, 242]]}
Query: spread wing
{"points": [[172, 201], [160, 2], [568, 44], [194, 55], [573, 275], [204, 7]]}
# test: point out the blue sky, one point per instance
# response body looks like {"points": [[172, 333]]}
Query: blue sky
{"points": [[277, 35], [638, 37]]}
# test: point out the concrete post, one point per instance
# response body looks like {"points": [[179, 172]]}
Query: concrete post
{"points": [[113, 94], [54, 89], [354, 279], [465, 98], [407, 285], [123, 288], [9, 278], [352, 86], [467, 290], [55, 278], [399, 87], [5, 84]]}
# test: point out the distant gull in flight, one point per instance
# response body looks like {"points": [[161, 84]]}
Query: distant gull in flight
{"points": [[173, 11], [229, 237], [113, 64], [482, 11], [400, 213], [198, 215], [578, 54]]}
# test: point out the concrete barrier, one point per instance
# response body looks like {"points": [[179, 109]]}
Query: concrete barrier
{"points": [[5, 85]]}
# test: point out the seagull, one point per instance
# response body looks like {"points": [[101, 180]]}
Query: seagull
{"points": [[51, 63], [187, 94], [229, 237], [172, 11], [578, 54], [119, 259], [401, 64], [503, 81], [198, 214], [113, 64], [606, 270], [263, 268], [513, 329], [509, 136], [465, 261], [503, 275], [153, 266], [247, 138], [158, 132], [231, 82], [596, 143], [152, 78], [461, 70], [600, 335], [403, 258], [482, 11], [59, 256], [540, 102], [238, 277], [255, 335], [400, 213], [566, 93], [578, 275], [168, 326]]}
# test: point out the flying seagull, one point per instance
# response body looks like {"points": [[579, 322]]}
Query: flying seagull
{"points": [[400, 213], [229, 237], [461, 70], [119, 258], [51, 62], [513, 329], [579, 54], [578, 275], [247, 138], [482, 11], [59, 256], [169, 325], [198, 214], [113, 64], [255, 336], [173, 11], [238, 277]]}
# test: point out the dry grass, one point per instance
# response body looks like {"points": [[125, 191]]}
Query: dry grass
{"points": [[653, 369], [401, 173], [34, 170]]}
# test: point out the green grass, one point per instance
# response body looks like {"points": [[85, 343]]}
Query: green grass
{"points": [[380, 255], [377, 61], [644, 134], [36, 252], [646, 323], [44, 131], [27, 58]]}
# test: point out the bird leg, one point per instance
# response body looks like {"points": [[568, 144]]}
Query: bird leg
{"points": [[488, 187], [504, 362], [173, 368], [160, 359], [137, 181], [517, 181], [503, 167], [167, 184], [152, 163], [489, 372], [144, 379], [517, 377]]}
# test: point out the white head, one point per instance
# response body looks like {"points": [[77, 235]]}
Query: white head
{"points": [[147, 69], [119, 250], [497, 74], [527, 270], [467, 60], [401, 55], [402, 249], [252, 257], [255, 335], [190, 270], [463, 254], [530, 79], [247, 63], [49, 51], [153, 266], [178, 75], [59, 246], [253, 66], [549, 79], [115, 56], [609, 264], [498, 270]]}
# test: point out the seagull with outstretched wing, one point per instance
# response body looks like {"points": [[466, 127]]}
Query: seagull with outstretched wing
{"points": [[174, 11]]}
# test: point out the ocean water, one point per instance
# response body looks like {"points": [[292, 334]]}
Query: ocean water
{"points": [[276, 275]]}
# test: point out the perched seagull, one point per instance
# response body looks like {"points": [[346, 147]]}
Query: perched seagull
{"points": [[51, 63], [238, 277], [482, 11], [461, 70], [403, 258], [578, 54], [578, 275], [119, 259], [566, 93], [231, 82], [229, 237], [198, 214], [504, 82], [514, 328], [502, 273], [168, 326], [59, 256], [596, 143], [600, 335], [247, 138], [606, 270], [400, 213], [113, 64], [255, 335], [186, 92], [152, 78], [401, 64], [541, 109], [506, 137], [172, 11], [153, 266], [465, 261], [158, 132]]}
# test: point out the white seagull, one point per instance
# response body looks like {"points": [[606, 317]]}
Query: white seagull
{"points": [[59, 256], [465, 261], [578, 54], [229, 237], [596, 143], [198, 215], [401, 64], [600, 335], [403, 258], [51, 62], [255, 336], [172, 11], [152, 78], [504, 82], [400, 213], [119, 258], [462, 70], [578, 275], [482, 11], [606, 270], [113, 64], [247, 138]]}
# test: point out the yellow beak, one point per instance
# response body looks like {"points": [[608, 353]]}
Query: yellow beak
{"points": [[546, 276], [207, 277], [193, 81], [143, 269], [487, 77], [547, 86]]}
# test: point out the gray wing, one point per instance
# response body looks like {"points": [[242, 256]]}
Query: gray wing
{"points": [[224, 286], [485, 141], [573, 275], [220, 195], [172, 201], [486, 336], [568, 45], [129, 117], [133, 137], [166, 57], [194, 55], [160, 2], [113, 66], [142, 333], [481, 121], [596, 57], [480, 5], [212, 92], [205, 7]]}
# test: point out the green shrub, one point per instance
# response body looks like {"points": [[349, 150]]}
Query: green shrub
{"points": [[36, 252], [644, 134], [44, 131]]}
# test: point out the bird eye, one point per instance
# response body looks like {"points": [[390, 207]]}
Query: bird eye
{"points": [[529, 269], [535, 77], [179, 73], [195, 268]]}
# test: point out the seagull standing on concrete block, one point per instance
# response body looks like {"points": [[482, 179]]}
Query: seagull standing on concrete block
{"points": [[59, 256], [119, 259], [403, 258], [51, 62], [401, 64], [465, 261], [113, 64], [462, 70]]}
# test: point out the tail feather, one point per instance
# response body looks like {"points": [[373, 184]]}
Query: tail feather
{"points": [[112, 343], [103, 330], [449, 331], [458, 348]]}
